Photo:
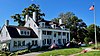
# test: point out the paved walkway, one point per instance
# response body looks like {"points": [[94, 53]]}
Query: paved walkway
{"points": [[31, 54]]}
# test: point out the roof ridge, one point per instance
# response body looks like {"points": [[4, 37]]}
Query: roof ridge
{"points": [[18, 26]]}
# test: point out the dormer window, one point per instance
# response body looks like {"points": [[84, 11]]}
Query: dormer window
{"points": [[25, 32], [53, 26], [62, 27], [42, 24], [28, 33], [29, 25], [22, 32]]}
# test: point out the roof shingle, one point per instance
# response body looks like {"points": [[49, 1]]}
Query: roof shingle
{"points": [[14, 33]]}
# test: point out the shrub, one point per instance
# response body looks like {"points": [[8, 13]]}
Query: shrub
{"points": [[22, 52], [86, 39]]}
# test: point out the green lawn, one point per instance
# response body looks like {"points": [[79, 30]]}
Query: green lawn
{"points": [[57, 52], [63, 52], [92, 53], [4, 53]]}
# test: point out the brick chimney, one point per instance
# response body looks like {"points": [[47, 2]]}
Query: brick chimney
{"points": [[7, 23], [34, 16], [60, 21], [26, 18]]}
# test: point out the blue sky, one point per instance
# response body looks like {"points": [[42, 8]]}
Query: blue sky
{"points": [[52, 8]]}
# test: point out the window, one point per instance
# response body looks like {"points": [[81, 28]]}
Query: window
{"points": [[55, 35], [59, 41], [43, 42], [54, 41], [64, 41], [32, 42], [63, 27], [64, 33], [15, 44], [23, 43], [49, 32], [50, 41], [34, 25], [54, 25], [6, 34], [67, 36], [44, 32], [43, 25], [36, 43], [27, 32], [47, 41], [59, 33], [19, 43], [29, 25], [21, 32]]}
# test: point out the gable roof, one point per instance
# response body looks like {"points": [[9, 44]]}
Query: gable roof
{"points": [[14, 33], [47, 23]]}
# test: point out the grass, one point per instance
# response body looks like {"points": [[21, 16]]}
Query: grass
{"points": [[63, 52], [57, 52], [92, 53], [4, 53], [66, 52]]}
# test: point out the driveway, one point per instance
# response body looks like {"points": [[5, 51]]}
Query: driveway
{"points": [[31, 54]]}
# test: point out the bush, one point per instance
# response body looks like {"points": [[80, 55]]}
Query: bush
{"points": [[22, 52], [86, 39], [71, 45], [4, 53], [43, 48]]}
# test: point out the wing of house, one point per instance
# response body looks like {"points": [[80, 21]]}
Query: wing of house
{"points": [[16, 38], [38, 32]]}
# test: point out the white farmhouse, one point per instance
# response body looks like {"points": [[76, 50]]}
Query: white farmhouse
{"points": [[35, 31]]}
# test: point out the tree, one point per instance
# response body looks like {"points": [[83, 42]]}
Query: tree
{"points": [[91, 32], [87, 39], [76, 25], [78, 28], [20, 18]]}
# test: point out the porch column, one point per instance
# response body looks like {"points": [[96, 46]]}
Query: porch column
{"points": [[69, 35], [40, 41]]}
